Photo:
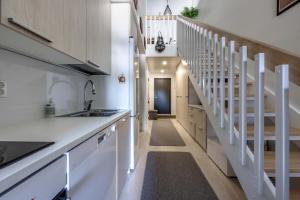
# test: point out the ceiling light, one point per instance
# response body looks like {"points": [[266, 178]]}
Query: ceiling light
{"points": [[162, 71], [164, 62]]}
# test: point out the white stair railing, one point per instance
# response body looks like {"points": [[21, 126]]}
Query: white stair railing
{"points": [[206, 55]]}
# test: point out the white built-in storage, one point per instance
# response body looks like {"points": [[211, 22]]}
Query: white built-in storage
{"points": [[63, 32], [191, 117], [43, 184]]}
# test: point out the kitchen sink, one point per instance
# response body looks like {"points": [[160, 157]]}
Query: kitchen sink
{"points": [[93, 113]]}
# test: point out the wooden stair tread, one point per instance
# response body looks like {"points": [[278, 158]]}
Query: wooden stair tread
{"points": [[270, 131], [270, 162], [237, 98], [236, 85], [250, 110]]}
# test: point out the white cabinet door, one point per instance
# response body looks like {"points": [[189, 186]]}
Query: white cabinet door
{"points": [[99, 34], [45, 184], [123, 152], [38, 19], [74, 30]]}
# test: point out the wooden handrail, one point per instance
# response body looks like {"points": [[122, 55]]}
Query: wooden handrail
{"points": [[274, 55]]}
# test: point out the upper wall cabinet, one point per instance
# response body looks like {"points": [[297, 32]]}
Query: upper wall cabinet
{"points": [[74, 30], [70, 32], [99, 34], [41, 20]]}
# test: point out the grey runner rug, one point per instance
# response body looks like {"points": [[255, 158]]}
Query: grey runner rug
{"points": [[174, 176], [164, 134]]}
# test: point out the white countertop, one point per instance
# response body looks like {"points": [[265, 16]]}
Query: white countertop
{"points": [[65, 132]]}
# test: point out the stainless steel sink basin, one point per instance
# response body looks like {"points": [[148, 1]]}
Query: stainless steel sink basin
{"points": [[93, 113]]}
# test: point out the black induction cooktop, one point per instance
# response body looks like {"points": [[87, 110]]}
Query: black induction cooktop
{"points": [[12, 151]]}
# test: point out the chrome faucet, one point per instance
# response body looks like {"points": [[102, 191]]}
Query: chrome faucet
{"points": [[88, 103]]}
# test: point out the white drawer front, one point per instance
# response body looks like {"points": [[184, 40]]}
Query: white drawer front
{"points": [[43, 185], [82, 151]]}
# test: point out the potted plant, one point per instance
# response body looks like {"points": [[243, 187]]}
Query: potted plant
{"points": [[191, 12]]}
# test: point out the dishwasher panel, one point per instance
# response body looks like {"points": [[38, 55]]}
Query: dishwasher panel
{"points": [[95, 177]]}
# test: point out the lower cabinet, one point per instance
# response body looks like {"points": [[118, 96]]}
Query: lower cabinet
{"points": [[216, 153], [201, 132], [92, 172], [196, 124], [44, 184]]}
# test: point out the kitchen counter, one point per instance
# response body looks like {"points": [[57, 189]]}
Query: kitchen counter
{"points": [[65, 132]]}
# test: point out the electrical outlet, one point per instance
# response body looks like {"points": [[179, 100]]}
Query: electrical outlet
{"points": [[3, 89]]}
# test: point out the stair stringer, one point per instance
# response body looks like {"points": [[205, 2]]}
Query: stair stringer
{"points": [[246, 174]]}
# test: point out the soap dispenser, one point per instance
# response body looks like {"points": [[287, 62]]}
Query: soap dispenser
{"points": [[50, 109]]}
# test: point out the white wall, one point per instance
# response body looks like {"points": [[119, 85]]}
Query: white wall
{"points": [[115, 95], [173, 90], [155, 7], [31, 83], [255, 19]]}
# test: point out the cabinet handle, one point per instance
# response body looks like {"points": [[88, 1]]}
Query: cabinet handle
{"points": [[92, 63], [25, 27], [101, 138]]}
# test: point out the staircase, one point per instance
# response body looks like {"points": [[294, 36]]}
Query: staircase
{"points": [[256, 137]]}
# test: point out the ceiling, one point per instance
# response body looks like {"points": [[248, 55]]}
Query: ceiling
{"points": [[155, 64]]}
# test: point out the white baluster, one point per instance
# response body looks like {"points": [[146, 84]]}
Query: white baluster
{"points": [[231, 96], [209, 57], [200, 56], [204, 60], [186, 41], [197, 42], [215, 89], [191, 49], [259, 120], [189, 45], [222, 81], [194, 50], [243, 103], [282, 132]]}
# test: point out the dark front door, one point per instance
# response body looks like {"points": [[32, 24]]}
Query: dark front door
{"points": [[162, 95]]}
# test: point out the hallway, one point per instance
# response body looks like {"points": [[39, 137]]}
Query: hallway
{"points": [[225, 188]]}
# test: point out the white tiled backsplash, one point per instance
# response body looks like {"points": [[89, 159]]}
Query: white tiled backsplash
{"points": [[31, 83]]}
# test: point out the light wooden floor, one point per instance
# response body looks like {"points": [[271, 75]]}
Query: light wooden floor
{"points": [[225, 188]]}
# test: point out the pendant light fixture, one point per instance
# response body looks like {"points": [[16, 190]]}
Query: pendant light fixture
{"points": [[168, 10]]}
